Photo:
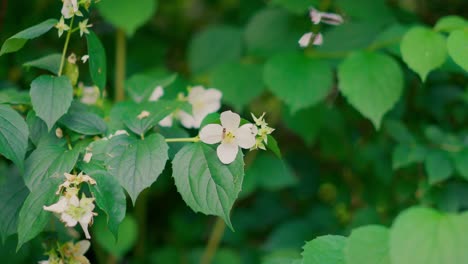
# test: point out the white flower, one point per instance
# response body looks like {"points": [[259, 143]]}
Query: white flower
{"points": [[83, 25], [157, 93], [61, 26], [304, 41], [87, 157], [167, 121], [90, 95], [327, 18], [84, 58], [75, 180], [79, 211], [263, 131], [204, 102], [230, 135], [70, 8]]}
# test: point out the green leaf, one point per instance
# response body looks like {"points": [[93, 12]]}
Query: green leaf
{"points": [[325, 249], [297, 80], [128, 235], [273, 146], [17, 41], [423, 50], [404, 155], [425, 236], [450, 23], [461, 163], [371, 11], [207, 185], [438, 166], [372, 83], [84, 122], [128, 17], [214, 46], [137, 163], [38, 132], [368, 245], [358, 35], [48, 161], [307, 130], [51, 97], [13, 192], [271, 31], [14, 97], [457, 45], [97, 57], [32, 217], [141, 86], [14, 135], [399, 132], [110, 197], [299, 7], [390, 38], [239, 83], [49, 63]]}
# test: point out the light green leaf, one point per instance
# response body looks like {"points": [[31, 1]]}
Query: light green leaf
{"points": [[239, 83], [207, 185], [325, 249], [32, 217], [51, 97], [214, 46], [48, 161], [450, 23], [97, 58], [438, 166], [372, 83], [297, 80], [404, 155], [128, 17], [368, 245], [423, 50], [14, 135], [271, 31], [13, 192], [17, 41], [272, 145], [50, 63], [127, 236], [110, 197], [461, 163], [457, 45], [136, 163], [425, 236]]}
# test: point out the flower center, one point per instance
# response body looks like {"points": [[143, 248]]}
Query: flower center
{"points": [[228, 137]]}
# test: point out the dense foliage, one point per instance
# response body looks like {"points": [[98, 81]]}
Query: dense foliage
{"points": [[350, 145]]}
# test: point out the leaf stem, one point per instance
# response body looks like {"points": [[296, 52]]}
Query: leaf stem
{"points": [[120, 61], [175, 140], [65, 47], [213, 243]]}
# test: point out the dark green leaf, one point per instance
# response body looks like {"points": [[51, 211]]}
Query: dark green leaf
{"points": [[84, 122], [97, 59], [461, 163], [405, 155], [272, 145], [438, 166], [49, 63], [324, 249], [127, 236], [13, 135]]}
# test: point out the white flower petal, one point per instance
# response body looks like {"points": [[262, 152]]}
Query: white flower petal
{"points": [[81, 247], [227, 152], [187, 120], [245, 136], [304, 41], [230, 120], [318, 40], [58, 207], [84, 226], [156, 94], [166, 122], [211, 134], [68, 220], [87, 157], [74, 200]]}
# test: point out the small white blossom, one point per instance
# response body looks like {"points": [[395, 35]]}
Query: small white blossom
{"points": [[87, 157], [327, 18], [61, 26], [204, 102], [143, 114], [70, 8], [167, 121], [305, 40], [75, 180], [85, 58], [72, 58], [83, 25], [263, 131], [59, 132], [230, 135], [157, 93], [90, 95]]}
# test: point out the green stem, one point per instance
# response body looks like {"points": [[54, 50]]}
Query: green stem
{"points": [[174, 140], [213, 243], [65, 47], [120, 61], [141, 214]]}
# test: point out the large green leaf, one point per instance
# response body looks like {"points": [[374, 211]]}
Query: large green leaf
{"points": [[127, 16], [97, 59], [213, 46], [239, 83], [325, 249], [136, 163], [32, 216], [83, 122], [423, 50], [50, 63], [438, 166], [425, 236], [48, 161], [457, 45], [368, 245], [297, 80], [13, 192], [51, 97], [14, 135], [17, 41], [205, 184], [372, 83]]}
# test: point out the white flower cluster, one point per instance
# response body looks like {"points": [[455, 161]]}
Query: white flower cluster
{"points": [[203, 102], [68, 253], [70, 9], [71, 209], [316, 17]]}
